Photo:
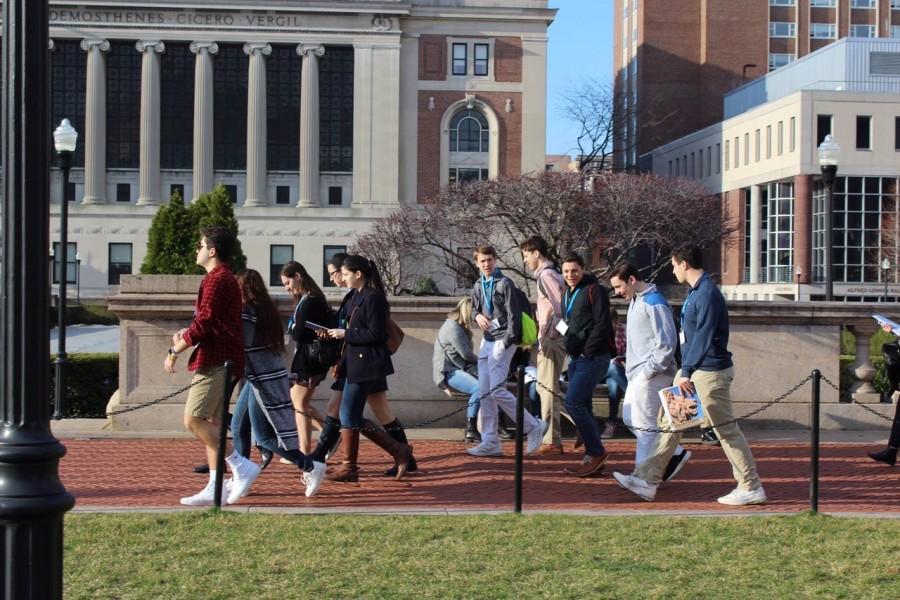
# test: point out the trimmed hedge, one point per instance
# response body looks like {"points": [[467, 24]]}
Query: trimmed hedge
{"points": [[90, 381], [85, 314]]}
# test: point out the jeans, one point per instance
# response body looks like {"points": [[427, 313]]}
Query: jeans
{"points": [[353, 403], [584, 372], [464, 383], [617, 385], [249, 417], [534, 399]]}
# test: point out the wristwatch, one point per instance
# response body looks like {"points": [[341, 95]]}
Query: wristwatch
{"points": [[172, 352]]}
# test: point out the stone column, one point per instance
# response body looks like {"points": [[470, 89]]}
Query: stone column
{"points": [[95, 123], [803, 228], [203, 117], [309, 124], [755, 218], [150, 147], [862, 390], [256, 123]]}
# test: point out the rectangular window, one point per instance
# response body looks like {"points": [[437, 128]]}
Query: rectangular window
{"points": [[279, 255], [670, 168], [823, 128], [821, 3], [895, 31], [708, 161], [779, 29], [327, 253], [685, 166], [780, 138], [678, 167], [123, 192], [700, 161], [71, 264], [822, 30], [781, 2], [862, 31], [862, 3], [119, 262], [693, 166], [335, 195], [768, 141], [231, 190], [746, 149], [177, 188], [757, 146], [459, 59], [70, 192], [282, 194], [792, 141], [718, 158], [777, 60], [481, 60], [727, 154], [737, 152], [863, 133], [896, 133]]}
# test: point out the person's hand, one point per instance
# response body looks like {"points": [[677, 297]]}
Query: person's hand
{"points": [[685, 385], [483, 322], [323, 333], [169, 363], [887, 328], [448, 392], [176, 337], [337, 334]]}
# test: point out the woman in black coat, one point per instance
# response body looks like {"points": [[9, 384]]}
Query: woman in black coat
{"points": [[366, 362]]}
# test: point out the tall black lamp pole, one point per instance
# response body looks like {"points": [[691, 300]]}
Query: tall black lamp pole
{"points": [[64, 138], [829, 156], [33, 500]]}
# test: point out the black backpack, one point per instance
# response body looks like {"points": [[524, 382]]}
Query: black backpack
{"points": [[891, 354]]}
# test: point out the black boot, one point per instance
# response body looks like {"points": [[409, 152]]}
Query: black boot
{"points": [[887, 456], [506, 427], [472, 434], [396, 431], [328, 439]]}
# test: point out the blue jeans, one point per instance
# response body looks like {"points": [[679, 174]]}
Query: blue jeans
{"points": [[353, 403], [584, 372], [464, 383], [249, 417], [616, 384], [534, 400]]}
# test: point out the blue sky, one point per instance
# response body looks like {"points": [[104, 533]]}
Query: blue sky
{"points": [[580, 49]]}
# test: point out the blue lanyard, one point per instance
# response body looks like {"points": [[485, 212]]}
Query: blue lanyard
{"points": [[570, 302], [296, 308], [488, 296]]}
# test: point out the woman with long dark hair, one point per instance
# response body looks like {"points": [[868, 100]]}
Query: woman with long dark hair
{"points": [[265, 397], [366, 363], [312, 307]]}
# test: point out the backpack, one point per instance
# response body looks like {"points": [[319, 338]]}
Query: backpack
{"points": [[525, 329]]}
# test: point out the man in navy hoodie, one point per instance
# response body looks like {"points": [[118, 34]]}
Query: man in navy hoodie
{"points": [[587, 337], [706, 367]]}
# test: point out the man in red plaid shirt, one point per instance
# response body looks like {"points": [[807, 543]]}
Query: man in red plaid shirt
{"points": [[217, 333]]}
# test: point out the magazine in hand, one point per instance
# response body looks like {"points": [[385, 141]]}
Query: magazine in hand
{"points": [[883, 320], [315, 326], [681, 412]]}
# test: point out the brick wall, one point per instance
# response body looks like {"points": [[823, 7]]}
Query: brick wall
{"points": [[732, 254], [432, 57], [429, 149], [508, 59]]}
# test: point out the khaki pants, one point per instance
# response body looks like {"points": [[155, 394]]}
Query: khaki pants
{"points": [[714, 388], [550, 361]]}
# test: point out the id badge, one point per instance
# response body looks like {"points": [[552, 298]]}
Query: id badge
{"points": [[681, 337], [562, 327]]}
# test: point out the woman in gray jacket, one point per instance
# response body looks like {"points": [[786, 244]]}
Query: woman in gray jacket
{"points": [[456, 364]]}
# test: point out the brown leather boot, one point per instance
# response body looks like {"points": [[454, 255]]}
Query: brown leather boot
{"points": [[348, 469], [401, 453]]}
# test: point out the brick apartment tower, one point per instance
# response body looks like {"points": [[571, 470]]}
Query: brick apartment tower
{"points": [[675, 59]]}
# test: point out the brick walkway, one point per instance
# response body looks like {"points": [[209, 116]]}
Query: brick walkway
{"points": [[145, 473]]}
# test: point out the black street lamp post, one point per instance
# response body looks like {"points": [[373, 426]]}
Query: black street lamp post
{"points": [[65, 137], [829, 156], [885, 268], [33, 500]]}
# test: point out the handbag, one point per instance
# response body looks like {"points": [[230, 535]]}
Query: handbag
{"points": [[395, 336]]}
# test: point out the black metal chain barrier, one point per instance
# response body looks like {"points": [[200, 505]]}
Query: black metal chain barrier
{"points": [[753, 412], [849, 400]]}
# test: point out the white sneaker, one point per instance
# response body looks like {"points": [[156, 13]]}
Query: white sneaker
{"points": [[313, 479], [486, 449], [536, 436], [637, 486], [242, 478], [205, 497], [284, 461], [739, 497]]}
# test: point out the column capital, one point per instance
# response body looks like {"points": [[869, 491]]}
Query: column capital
{"points": [[90, 44], [263, 48], [310, 49], [210, 47], [155, 45]]}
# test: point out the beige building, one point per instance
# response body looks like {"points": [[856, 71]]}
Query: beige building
{"points": [[317, 117], [762, 159]]}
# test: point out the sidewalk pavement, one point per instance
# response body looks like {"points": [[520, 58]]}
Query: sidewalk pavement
{"points": [[109, 471]]}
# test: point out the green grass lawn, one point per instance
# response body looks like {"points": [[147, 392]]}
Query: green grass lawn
{"points": [[233, 555]]}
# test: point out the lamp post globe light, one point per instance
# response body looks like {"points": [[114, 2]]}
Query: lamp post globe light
{"points": [[798, 272], [885, 268], [829, 157], [64, 139]]}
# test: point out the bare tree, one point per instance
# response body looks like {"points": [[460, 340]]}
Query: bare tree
{"points": [[389, 244], [590, 107]]}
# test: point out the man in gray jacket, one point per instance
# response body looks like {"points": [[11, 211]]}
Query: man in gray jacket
{"points": [[649, 360], [492, 311]]}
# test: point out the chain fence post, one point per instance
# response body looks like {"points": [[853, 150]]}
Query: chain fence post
{"points": [[520, 417], [814, 442], [223, 433]]}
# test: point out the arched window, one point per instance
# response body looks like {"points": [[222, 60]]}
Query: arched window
{"points": [[469, 131]]}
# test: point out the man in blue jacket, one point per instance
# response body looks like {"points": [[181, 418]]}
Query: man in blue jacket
{"points": [[706, 367]]}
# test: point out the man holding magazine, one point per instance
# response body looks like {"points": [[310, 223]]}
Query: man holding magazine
{"points": [[706, 368]]}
